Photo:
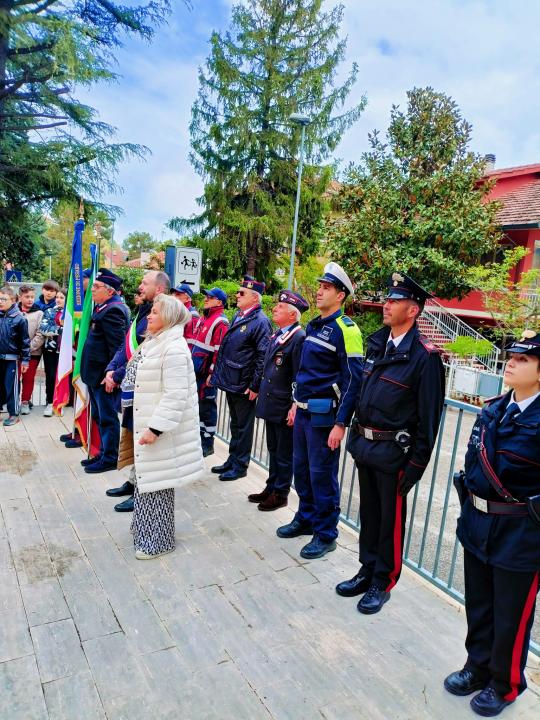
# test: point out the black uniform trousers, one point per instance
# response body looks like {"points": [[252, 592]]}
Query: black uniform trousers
{"points": [[208, 415], [242, 412], [500, 612], [383, 514], [279, 441]]}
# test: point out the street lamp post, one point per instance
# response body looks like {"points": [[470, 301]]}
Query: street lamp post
{"points": [[301, 120]]}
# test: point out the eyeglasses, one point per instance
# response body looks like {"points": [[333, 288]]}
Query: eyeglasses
{"points": [[4, 298]]}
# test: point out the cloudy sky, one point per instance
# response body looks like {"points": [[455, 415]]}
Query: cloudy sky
{"points": [[481, 52]]}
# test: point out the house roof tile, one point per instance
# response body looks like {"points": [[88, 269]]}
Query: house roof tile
{"points": [[520, 206]]}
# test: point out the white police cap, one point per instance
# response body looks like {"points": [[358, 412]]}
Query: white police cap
{"points": [[335, 274]]}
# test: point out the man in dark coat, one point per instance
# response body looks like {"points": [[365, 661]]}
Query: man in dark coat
{"points": [[275, 400], [398, 411], [108, 327], [238, 371], [153, 283]]}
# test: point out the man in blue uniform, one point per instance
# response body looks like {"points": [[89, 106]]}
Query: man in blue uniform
{"points": [[326, 385], [238, 371], [275, 398], [108, 327], [398, 411], [499, 529]]}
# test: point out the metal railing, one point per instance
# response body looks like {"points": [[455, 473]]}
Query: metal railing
{"points": [[451, 326], [431, 547]]}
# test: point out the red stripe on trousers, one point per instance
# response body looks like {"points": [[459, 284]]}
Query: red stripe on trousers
{"points": [[517, 650], [398, 551]]}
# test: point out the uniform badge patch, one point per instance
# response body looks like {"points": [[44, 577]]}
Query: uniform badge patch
{"points": [[243, 328], [325, 332], [278, 360]]}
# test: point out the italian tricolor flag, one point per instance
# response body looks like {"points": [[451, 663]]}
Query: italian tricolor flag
{"points": [[83, 417], [71, 321]]}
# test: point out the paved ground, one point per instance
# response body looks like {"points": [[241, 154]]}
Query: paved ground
{"points": [[232, 625]]}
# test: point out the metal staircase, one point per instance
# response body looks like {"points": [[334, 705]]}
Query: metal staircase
{"points": [[442, 326]]}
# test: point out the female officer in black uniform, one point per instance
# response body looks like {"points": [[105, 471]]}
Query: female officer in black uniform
{"points": [[499, 529]]}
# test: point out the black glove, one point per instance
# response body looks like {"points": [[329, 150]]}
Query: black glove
{"points": [[406, 484]]}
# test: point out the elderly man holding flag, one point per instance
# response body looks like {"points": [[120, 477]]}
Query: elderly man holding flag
{"points": [[108, 327]]}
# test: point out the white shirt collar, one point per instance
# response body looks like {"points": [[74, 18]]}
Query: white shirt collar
{"points": [[524, 404], [398, 339]]}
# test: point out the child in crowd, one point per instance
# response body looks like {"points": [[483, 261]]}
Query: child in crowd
{"points": [[47, 299], [50, 329], [33, 315], [14, 348]]}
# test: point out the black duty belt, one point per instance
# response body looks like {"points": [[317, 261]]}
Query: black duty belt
{"points": [[372, 434], [498, 508]]}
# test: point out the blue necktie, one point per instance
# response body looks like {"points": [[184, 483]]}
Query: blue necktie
{"points": [[390, 347], [511, 412]]}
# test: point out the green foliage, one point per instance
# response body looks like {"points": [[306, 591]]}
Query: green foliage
{"points": [[465, 346], [131, 279], [417, 202], [279, 57], [368, 322], [138, 242], [52, 146], [513, 306]]}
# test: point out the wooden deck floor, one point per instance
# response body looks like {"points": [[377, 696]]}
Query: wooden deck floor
{"points": [[233, 624]]}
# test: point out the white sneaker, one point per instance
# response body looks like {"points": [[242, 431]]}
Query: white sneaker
{"points": [[25, 408], [140, 555], [48, 411]]}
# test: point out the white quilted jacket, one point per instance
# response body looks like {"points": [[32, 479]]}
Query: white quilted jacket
{"points": [[166, 399]]}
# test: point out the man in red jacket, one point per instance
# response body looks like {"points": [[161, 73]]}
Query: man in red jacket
{"points": [[207, 334]]}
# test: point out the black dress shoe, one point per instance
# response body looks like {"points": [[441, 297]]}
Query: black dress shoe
{"points": [[126, 489], [233, 474], [260, 497], [99, 467], [357, 585], [273, 502], [373, 601], [73, 443], [126, 506], [489, 703], [65, 437], [294, 529], [317, 548], [89, 461], [464, 682], [218, 469]]}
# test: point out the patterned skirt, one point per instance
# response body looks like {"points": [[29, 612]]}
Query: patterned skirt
{"points": [[153, 521]]}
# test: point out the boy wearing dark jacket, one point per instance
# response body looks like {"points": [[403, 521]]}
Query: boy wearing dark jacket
{"points": [[14, 348]]}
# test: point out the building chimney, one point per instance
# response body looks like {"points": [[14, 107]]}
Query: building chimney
{"points": [[489, 162]]}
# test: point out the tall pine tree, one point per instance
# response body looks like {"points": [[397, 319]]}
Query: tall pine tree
{"points": [[279, 57]]}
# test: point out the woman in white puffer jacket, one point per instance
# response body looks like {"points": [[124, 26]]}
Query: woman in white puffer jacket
{"points": [[166, 435]]}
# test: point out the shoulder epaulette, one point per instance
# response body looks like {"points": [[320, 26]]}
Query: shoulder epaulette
{"points": [[428, 345], [347, 321]]}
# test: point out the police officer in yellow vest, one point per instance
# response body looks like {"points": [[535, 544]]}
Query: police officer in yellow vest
{"points": [[325, 392]]}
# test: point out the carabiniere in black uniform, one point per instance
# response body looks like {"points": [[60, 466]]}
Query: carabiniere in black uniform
{"points": [[499, 529], [398, 410]]}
